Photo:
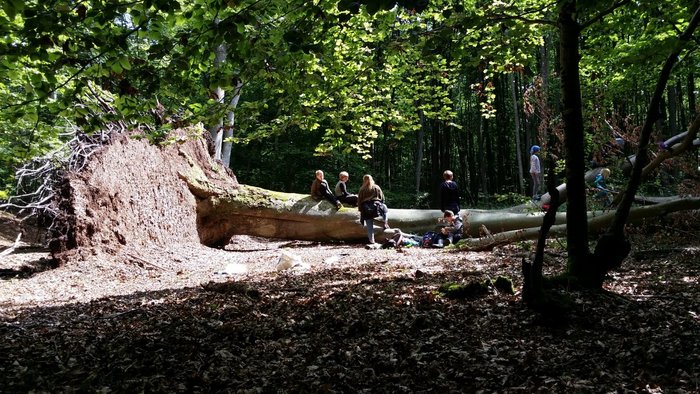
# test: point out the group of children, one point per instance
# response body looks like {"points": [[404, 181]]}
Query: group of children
{"points": [[369, 200], [370, 203]]}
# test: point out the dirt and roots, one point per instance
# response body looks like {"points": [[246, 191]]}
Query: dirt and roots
{"points": [[135, 304]]}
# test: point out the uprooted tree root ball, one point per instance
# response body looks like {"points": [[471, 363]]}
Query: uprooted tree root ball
{"points": [[131, 194]]}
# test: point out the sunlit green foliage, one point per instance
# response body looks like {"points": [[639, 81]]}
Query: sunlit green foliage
{"points": [[325, 82]]}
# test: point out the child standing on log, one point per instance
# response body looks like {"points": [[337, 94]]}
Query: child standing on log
{"points": [[535, 171]]}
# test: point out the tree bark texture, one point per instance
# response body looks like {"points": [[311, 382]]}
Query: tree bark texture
{"points": [[598, 221], [255, 211], [577, 231], [518, 144]]}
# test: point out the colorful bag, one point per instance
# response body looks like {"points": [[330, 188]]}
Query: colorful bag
{"points": [[429, 239]]}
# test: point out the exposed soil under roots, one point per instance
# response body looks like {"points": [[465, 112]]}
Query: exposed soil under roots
{"points": [[131, 195]]}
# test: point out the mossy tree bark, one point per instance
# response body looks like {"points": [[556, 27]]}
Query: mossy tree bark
{"points": [[255, 211]]}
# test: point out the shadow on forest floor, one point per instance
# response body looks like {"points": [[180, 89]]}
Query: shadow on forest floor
{"points": [[368, 327]]}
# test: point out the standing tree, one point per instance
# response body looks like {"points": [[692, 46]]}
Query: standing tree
{"points": [[613, 246]]}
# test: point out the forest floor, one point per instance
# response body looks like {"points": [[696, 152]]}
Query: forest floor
{"points": [[348, 319]]}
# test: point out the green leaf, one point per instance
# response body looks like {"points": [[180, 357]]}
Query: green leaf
{"points": [[13, 7], [116, 67], [124, 63]]}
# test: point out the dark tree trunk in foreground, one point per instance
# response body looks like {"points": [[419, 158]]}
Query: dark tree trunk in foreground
{"points": [[577, 230]]}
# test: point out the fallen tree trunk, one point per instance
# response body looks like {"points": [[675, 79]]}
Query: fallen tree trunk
{"points": [[672, 147], [597, 223], [265, 213], [132, 194]]}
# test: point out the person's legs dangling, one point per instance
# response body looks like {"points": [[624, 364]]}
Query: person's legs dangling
{"points": [[385, 217]]}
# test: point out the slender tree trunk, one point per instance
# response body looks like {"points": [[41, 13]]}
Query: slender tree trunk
{"points": [[672, 110], [683, 119], [472, 143], [501, 159], [419, 150], [661, 120], [490, 168], [437, 151], [447, 144], [388, 157], [533, 272], [482, 155], [577, 226], [217, 130], [518, 146], [544, 63], [228, 145], [691, 95]]}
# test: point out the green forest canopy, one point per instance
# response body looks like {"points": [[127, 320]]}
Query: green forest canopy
{"points": [[402, 90]]}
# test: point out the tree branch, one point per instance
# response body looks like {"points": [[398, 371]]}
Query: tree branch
{"points": [[652, 115], [604, 13]]}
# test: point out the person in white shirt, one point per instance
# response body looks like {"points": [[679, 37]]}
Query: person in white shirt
{"points": [[535, 171]]}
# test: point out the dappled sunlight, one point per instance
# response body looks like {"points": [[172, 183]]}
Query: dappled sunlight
{"points": [[369, 319]]}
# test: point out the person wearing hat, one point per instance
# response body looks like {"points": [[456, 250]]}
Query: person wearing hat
{"points": [[535, 171]]}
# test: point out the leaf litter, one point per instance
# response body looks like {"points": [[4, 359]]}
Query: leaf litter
{"points": [[354, 320]]}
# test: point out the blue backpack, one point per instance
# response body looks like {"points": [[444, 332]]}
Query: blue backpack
{"points": [[429, 239]]}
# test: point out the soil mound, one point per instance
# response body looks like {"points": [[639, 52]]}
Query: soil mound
{"points": [[131, 194]]}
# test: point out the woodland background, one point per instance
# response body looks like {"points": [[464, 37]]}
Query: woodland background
{"points": [[402, 90]]}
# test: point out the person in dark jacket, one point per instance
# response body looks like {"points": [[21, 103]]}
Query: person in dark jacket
{"points": [[321, 190], [449, 193], [341, 190]]}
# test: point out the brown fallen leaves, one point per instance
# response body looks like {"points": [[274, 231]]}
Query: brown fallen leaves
{"points": [[374, 323]]}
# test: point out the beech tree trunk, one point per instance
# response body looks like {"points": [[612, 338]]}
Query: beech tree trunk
{"points": [[518, 144], [227, 146], [254, 211], [217, 130], [598, 222], [577, 231], [419, 150], [260, 212]]}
